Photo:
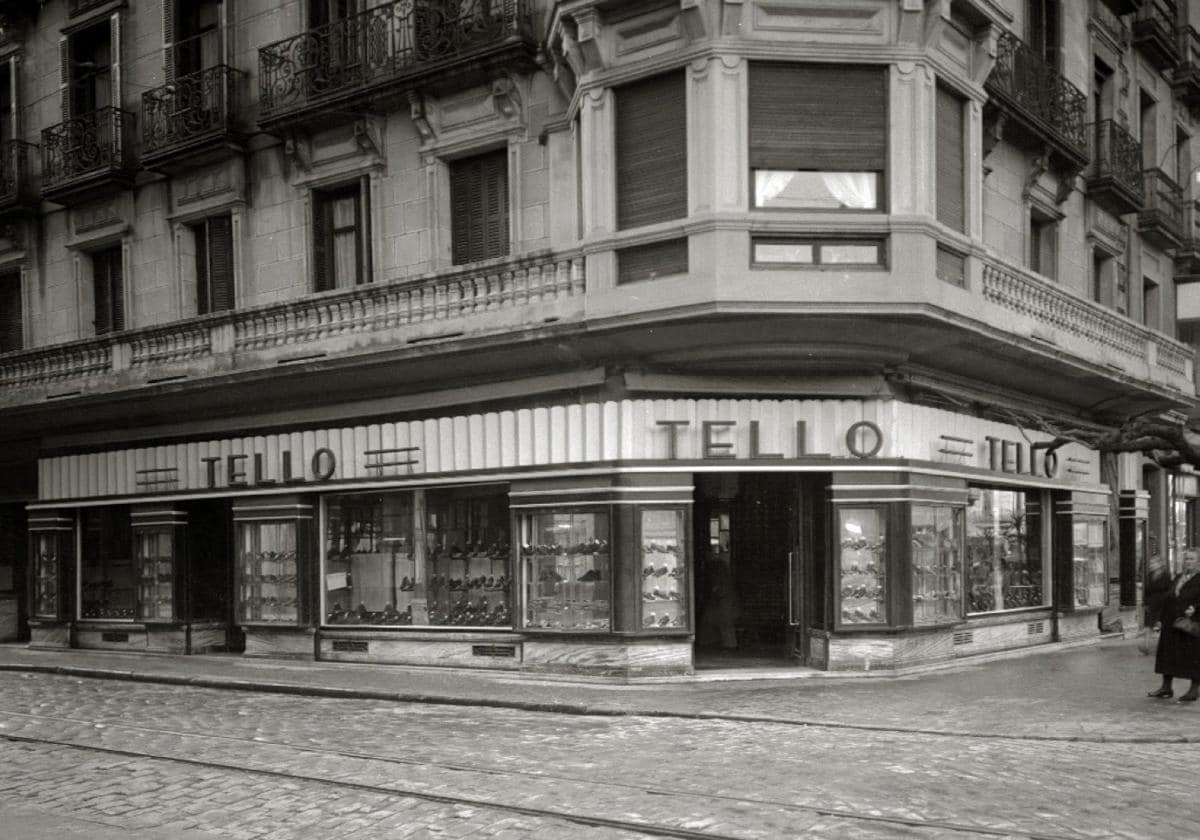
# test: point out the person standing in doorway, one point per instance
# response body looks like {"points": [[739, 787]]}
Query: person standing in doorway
{"points": [[1179, 652]]}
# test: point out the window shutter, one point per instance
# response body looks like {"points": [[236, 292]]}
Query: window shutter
{"points": [[818, 117], [114, 36], [220, 262], [11, 337], [14, 104], [495, 205], [465, 187], [101, 295], [116, 287], [951, 161], [321, 232], [651, 134], [64, 77], [168, 27], [204, 300]]}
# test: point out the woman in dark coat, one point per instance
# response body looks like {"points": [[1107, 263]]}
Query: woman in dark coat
{"points": [[1179, 653]]}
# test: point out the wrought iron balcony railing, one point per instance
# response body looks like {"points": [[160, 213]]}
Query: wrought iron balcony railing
{"points": [[1186, 78], [90, 145], [1155, 33], [1115, 180], [1040, 97], [1161, 218], [1106, 20], [16, 182], [78, 7], [383, 46], [194, 108]]}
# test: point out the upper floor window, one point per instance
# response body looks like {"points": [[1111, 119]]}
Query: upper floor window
{"points": [[339, 244], [214, 264], [479, 207], [651, 147], [90, 74], [1043, 244], [11, 320], [8, 121], [818, 136], [1043, 33], [951, 160], [108, 286], [198, 35]]}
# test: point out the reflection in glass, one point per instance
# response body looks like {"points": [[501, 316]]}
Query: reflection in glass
{"points": [[48, 550], [936, 564], [155, 554], [1088, 567], [1004, 558], [663, 565], [108, 581], [567, 572], [268, 573], [863, 554]]}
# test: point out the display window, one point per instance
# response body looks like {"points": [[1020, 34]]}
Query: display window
{"points": [[1088, 571], [567, 570], [108, 578], [862, 565], [937, 545], [436, 558], [155, 556], [52, 553], [1005, 565], [268, 572], [663, 564]]}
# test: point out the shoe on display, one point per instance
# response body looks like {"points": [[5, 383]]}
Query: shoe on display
{"points": [[590, 576]]}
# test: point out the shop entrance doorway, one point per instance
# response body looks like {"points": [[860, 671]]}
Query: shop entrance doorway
{"points": [[757, 537]]}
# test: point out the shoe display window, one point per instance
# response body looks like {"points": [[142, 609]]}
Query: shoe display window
{"points": [[1004, 566], [154, 554], [663, 569], [53, 551], [108, 577], [567, 570], [937, 571], [268, 572], [421, 558], [1088, 557], [862, 565]]}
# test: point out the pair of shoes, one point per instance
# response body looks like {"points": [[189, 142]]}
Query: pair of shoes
{"points": [[1163, 693], [1190, 697]]}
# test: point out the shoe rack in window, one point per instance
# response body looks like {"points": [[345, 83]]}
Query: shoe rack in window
{"points": [[272, 546], [567, 570], [663, 569], [158, 542], [862, 566]]}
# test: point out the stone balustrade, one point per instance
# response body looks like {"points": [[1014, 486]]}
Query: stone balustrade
{"points": [[309, 321], [1058, 309]]}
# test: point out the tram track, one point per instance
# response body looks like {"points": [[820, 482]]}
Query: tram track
{"points": [[646, 827]]}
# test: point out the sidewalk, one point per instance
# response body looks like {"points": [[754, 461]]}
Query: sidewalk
{"points": [[1093, 693]]}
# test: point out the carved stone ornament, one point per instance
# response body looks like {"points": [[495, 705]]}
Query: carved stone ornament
{"points": [[297, 149], [420, 117]]}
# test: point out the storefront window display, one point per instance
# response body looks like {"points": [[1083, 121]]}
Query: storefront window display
{"points": [[418, 558], [568, 579], [267, 572], [108, 586], [1089, 551], [1004, 555], [663, 569], [51, 556], [155, 554], [862, 542], [937, 538]]}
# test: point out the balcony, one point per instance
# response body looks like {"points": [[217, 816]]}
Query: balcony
{"points": [[1123, 7], [89, 153], [1115, 178], [1106, 21], [1160, 221], [79, 7], [1187, 255], [17, 193], [1038, 108], [1155, 33], [191, 121], [1186, 78], [375, 57]]}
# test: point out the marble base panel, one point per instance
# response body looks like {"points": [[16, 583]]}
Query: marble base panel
{"points": [[9, 627], [289, 643], [871, 653], [458, 650], [47, 635], [133, 637], [1076, 626], [989, 638], [609, 657]]}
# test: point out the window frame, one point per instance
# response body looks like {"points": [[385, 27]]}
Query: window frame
{"points": [[202, 242], [480, 250], [324, 234], [881, 243], [14, 276], [107, 257], [1044, 548]]}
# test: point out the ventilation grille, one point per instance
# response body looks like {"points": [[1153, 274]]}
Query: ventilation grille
{"points": [[494, 651], [1037, 628], [350, 646], [114, 637], [964, 637]]}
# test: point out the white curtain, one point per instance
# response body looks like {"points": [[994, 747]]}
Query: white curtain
{"points": [[852, 189]]}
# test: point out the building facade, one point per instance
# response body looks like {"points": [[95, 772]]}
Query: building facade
{"points": [[591, 336]]}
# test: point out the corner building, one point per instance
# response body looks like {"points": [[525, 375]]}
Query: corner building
{"points": [[596, 336]]}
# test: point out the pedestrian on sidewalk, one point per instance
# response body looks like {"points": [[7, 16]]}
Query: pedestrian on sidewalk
{"points": [[1178, 652]]}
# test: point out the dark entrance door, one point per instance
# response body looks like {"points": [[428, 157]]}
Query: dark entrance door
{"points": [[750, 575]]}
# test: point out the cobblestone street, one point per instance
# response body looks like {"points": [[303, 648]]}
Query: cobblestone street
{"points": [[184, 762]]}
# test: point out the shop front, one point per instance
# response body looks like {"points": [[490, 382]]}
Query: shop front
{"points": [[632, 537]]}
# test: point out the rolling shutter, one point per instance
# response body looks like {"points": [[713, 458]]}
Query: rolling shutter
{"points": [[168, 26], [651, 134], [479, 207], [818, 117], [64, 76], [220, 262], [951, 161]]}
